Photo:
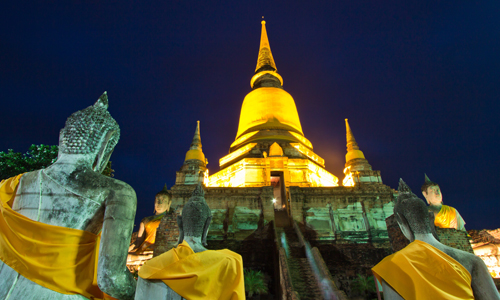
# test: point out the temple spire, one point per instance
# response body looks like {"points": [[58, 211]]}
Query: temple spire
{"points": [[353, 151], [265, 56], [266, 74], [351, 141], [357, 169], [196, 144], [195, 151]]}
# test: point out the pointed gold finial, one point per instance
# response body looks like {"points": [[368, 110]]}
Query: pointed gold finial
{"points": [[265, 55], [195, 151], [265, 60], [349, 135], [352, 147], [196, 144]]}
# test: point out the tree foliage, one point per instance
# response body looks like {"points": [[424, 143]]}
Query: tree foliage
{"points": [[363, 285], [108, 171], [38, 157], [254, 282]]}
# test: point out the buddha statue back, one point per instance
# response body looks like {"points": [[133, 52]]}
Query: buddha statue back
{"points": [[73, 193], [193, 228]]}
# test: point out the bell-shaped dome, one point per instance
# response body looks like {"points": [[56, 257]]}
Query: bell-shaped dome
{"points": [[268, 108], [195, 151]]}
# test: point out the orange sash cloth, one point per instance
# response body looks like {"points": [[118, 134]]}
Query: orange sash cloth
{"points": [[58, 258], [445, 217], [420, 271], [150, 229], [211, 274], [150, 232]]}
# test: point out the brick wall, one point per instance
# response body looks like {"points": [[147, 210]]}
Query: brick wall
{"points": [[167, 234], [397, 238], [454, 238]]}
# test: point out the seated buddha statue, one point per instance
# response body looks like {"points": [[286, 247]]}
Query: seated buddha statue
{"points": [[427, 269], [147, 229], [64, 230], [190, 271], [445, 216]]}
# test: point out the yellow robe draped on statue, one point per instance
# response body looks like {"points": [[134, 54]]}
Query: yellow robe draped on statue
{"points": [[58, 258], [150, 232], [211, 274], [421, 271], [448, 217]]}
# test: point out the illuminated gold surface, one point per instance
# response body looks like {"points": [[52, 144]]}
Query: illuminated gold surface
{"points": [[266, 113], [256, 172], [268, 108], [348, 179], [309, 153], [354, 154], [243, 138], [265, 136], [265, 55], [195, 154], [275, 150], [353, 151], [236, 154], [258, 75], [302, 139]]}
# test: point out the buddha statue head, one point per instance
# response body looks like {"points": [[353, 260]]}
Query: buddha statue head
{"points": [[195, 219], [90, 134], [412, 214], [163, 200], [432, 192]]}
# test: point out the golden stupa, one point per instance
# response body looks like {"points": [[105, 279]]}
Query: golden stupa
{"points": [[268, 118]]}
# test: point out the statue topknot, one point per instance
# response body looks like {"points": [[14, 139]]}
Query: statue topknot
{"points": [[426, 178], [403, 187], [164, 191], [102, 101], [86, 129], [198, 192], [196, 213], [412, 209], [428, 183]]}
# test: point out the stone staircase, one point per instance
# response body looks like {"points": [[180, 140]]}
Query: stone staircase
{"points": [[303, 279]]}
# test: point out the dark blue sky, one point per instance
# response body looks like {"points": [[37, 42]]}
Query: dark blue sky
{"points": [[419, 82]]}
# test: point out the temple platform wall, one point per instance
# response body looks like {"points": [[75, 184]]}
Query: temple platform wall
{"points": [[343, 214], [236, 212]]}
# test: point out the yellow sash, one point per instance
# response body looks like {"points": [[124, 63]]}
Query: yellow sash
{"points": [[150, 229], [446, 215], [211, 274], [58, 258], [420, 271]]}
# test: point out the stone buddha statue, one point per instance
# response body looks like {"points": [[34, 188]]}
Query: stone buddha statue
{"points": [[65, 209], [427, 269], [445, 216], [190, 271], [147, 229]]}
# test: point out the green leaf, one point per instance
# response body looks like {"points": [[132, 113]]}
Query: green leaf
{"points": [[38, 157]]}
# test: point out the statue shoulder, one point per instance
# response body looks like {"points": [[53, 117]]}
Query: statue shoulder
{"points": [[119, 189], [466, 259], [147, 219]]}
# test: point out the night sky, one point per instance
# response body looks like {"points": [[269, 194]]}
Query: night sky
{"points": [[419, 82]]}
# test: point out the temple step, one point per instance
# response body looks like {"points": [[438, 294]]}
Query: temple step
{"points": [[281, 218], [303, 279]]}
